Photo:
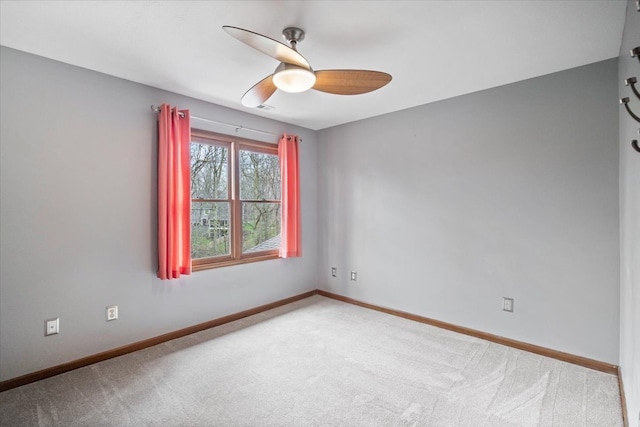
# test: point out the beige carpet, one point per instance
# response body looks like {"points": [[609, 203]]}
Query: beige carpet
{"points": [[320, 362]]}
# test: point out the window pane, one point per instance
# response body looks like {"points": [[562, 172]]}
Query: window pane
{"points": [[259, 176], [260, 226], [210, 229], [209, 171]]}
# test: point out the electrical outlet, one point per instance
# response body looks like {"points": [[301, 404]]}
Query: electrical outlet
{"points": [[354, 276], [334, 272], [112, 312], [52, 327], [507, 304]]}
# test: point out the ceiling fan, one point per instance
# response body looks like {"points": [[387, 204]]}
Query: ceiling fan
{"points": [[294, 74]]}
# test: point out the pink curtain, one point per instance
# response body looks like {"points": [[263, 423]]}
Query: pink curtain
{"points": [[291, 242], [174, 196]]}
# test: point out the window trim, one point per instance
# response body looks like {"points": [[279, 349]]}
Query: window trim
{"points": [[235, 145]]}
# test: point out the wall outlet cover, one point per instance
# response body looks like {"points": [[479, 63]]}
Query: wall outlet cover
{"points": [[52, 326], [507, 304], [112, 312]]}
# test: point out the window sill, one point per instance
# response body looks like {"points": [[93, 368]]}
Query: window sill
{"points": [[199, 265]]}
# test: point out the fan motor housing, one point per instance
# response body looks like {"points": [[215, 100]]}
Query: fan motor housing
{"points": [[293, 34]]}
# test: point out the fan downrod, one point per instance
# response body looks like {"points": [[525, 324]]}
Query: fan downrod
{"points": [[293, 35]]}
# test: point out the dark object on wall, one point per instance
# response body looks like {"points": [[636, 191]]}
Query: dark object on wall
{"points": [[625, 102], [631, 81]]}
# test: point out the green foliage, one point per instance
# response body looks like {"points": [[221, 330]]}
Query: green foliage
{"points": [[205, 244]]}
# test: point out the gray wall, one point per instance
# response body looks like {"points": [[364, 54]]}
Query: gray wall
{"points": [[77, 214], [442, 209], [630, 222], [445, 208]]}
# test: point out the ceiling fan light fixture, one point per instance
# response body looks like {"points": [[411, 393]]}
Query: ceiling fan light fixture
{"points": [[294, 79], [294, 74]]}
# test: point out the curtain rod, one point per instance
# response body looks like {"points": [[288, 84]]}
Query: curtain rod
{"points": [[236, 127]]}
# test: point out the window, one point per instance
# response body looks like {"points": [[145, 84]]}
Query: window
{"points": [[235, 200]]}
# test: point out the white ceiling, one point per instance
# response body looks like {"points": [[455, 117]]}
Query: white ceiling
{"points": [[433, 49]]}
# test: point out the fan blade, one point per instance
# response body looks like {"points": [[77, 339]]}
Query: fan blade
{"points": [[350, 82], [259, 93], [268, 46]]}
